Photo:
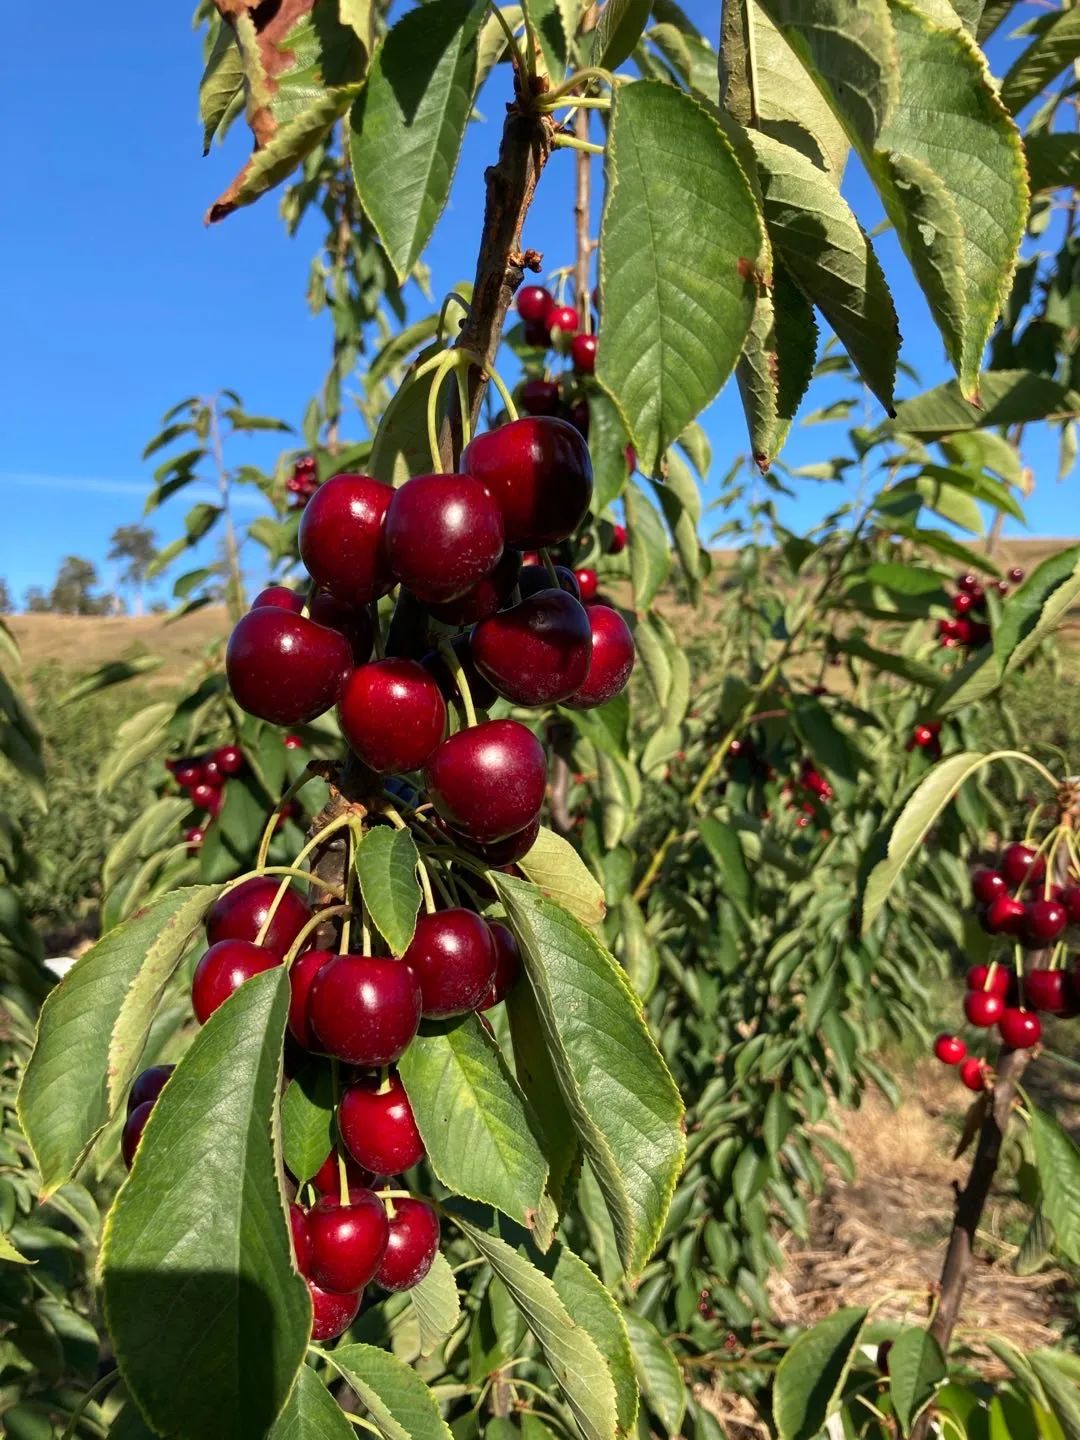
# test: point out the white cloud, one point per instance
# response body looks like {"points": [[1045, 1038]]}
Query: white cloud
{"points": [[243, 497]]}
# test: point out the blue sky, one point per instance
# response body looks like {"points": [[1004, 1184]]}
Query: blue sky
{"points": [[120, 301]]}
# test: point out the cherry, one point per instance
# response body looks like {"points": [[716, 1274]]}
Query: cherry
{"points": [[950, 1049], [619, 537], [301, 1239], [539, 472], [1004, 916], [580, 417], [979, 635], [538, 652], [612, 659], [1021, 865], [327, 1179], [967, 582], [411, 1247], [377, 1126], [1020, 1029], [540, 397], [973, 1073], [1070, 898], [562, 317], [453, 956], [283, 596], [223, 969], [134, 1126], [342, 538], [882, 1357], [1048, 990], [486, 597], [194, 837], [443, 534], [983, 1007], [352, 621], [205, 797], [537, 335], [489, 781], [583, 353], [986, 885], [293, 742], [240, 913], [963, 632], [392, 714], [482, 693], [229, 759], [302, 972], [962, 603], [364, 1009], [331, 1315], [533, 303], [347, 1241], [982, 977], [1044, 921], [1016, 574], [507, 965], [502, 852], [148, 1085], [188, 774], [922, 736], [283, 667], [535, 578], [588, 584]]}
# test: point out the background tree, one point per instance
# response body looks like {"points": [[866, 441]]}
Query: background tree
{"points": [[7, 604], [72, 591], [137, 545]]}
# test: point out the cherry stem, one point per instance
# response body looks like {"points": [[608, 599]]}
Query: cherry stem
{"points": [[312, 925], [579, 77], [343, 1173], [350, 888], [309, 875], [463, 406], [316, 840], [425, 885], [99, 1387], [452, 298], [496, 379], [457, 670], [511, 38], [549, 566], [384, 1080], [571, 142], [444, 890], [447, 361], [376, 630], [271, 825]]}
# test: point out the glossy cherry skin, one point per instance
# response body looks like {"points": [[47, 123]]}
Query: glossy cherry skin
{"points": [[206, 797], [535, 578], [588, 584], [539, 472], [194, 838], [301, 1239], [229, 759], [302, 972], [342, 538], [327, 1179], [488, 781], [983, 1008], [1044, 921], [283, 596], [364, 1009], [444, 533], [134, 1126], [949, 1049], [1004, 916], [967, 582], [188, 774], [148, 1085], [619, 537], [562, 317], [352, 621], [973, 1073], [533, 303], [502, 852], [963, 603], [411, 1247], [377, 1126], [980, 977], [612, 659], [347, 1241], [283, 667], [538, 652], [485, 597], [1048, 990], [482, 693], [393, 715], [987, 885], [507, 964], [1020, 864], [583, 353], [331, 1315], [453, 955], [240, 913], [540, 397], [1016, 575], [1020, 1029], [223, 969]]}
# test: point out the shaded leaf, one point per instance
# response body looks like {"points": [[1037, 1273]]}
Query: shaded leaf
{"points": [[386, 861]]}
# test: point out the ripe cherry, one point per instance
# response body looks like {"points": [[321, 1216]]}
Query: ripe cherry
{"points": [[950, 1049], [148, 1085], [982, 977], [535, 578], [444, 533], [986, 885], [283, 667], [489, 781], [134, 1126], [1004, 916], [486, 596], [229, 759], [619, 537], [482, 693], [539, 472], [963, 603], [562, 317], [579, 417], [293, 742], [540, 397], [538, 652], [205, 797], [1016, 574], [453, 956], [974, 1072], [240, 913], [1070, 898], [502, 852], [1048, 990], [533, 303], [1044, 921], [194, 838], [352, 621], [327, 1179], [588, 584], [342, 538], [223, 969], [301, 1239], [537, 335], [983, 1008], [188, 774], [612, 659], [302, 972], [331, 1315], [1020, 1029], [377, 1126], [963, 632], [392, 714], [364, 1009], [507, 964], [347, 1241], [411, 1247], [583, 353], [283, 596], [967, 582], [1020, 864]]}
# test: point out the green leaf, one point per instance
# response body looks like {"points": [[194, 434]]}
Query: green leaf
{"points": [[222, 85], [607, 446], [1009, 397], [479, 1132], [64, 1099], [114, 672], [1056, 44], [137, 739], [790, 105], [558, 871], [1062, 1393], [891, 662], [1053, 159], [386, 862], [408, 124], [401, 448], [207, 1315], [1057, 1158], [436, 1303], [947, 501], [650, 555], [618, 30], [624, 1104], [571, 1353], [670, 333], [776, 365], [397, 1399], [1037, 608], [916, 1369], [307, 1119], [658, 1372], [10, 1255], [312, 1413], [811, 1375], [592, 1305], [723, 844]]}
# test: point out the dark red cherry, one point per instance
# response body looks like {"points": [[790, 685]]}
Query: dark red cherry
{"points": [[1020, 864], [489, 781], [533, 303], [537, 335], [240, 913], [1016, 574], [588, 584], [453, 956], [982, 977], [562, 317], [950, 1049], [331, 1315], [967, 582], [619, 537], [148, 1085], [612, 659], [134, 1126], [1048, 990], [983, 1007], [188, 773], [327, 1179], [223, 969], [444, 533], [205, 797], [986, 885], [485, 597], [229, 759], [974, 1073], [364, 1009], [302, 972], [194, 838], [963, 603], [377, 1126], [352, 621], [538, 652], [342, 538], [539, 471], [580, 417], [393, 715], [483, 695], [507, 964], [963, 632], [411, 1247], [502, 852], [1070, 898], [301, 1240], [283, 667], [535, 578], [1004, 916], [1044, 921], [583, 353], [347, 1241], [1020, 1029], [540, 397], [283, 596]]}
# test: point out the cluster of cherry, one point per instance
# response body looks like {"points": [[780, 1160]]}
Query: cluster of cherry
{"points": [[202, 778], [1017, 900], [968, 627], [303, 482]]}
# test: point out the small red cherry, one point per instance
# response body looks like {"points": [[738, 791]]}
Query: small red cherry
{"points": [[537, 652], [533, 303], [539, 472], [240, 912], [981, 977], [486, 597], [229, 759], [562, 317], [983, 1008], [453, 956], [967, 582], [327, 1179], [148, 1085], [619, 537], [588, 584], [489, 781], [444, 533], [283, 596], [302, 972], [1044, 921], [1048, 990], [507, 965], [1020, 1029], [986, 885], [949, 1049], [583, 353], [223, 969], [364, 1009], [411, 1247], [377, 1126], [1004, 916], [534, 578], [134, 1126], [352, 621], [540, 397], [347, 1241], [301, 1240], [973, 1073], [331, 1314], [1016, 575], [501, 852], [1020, 864], [392, 714], [963, 603], [283, 667], [1070, 898], [342, 538], [612, 659]]}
